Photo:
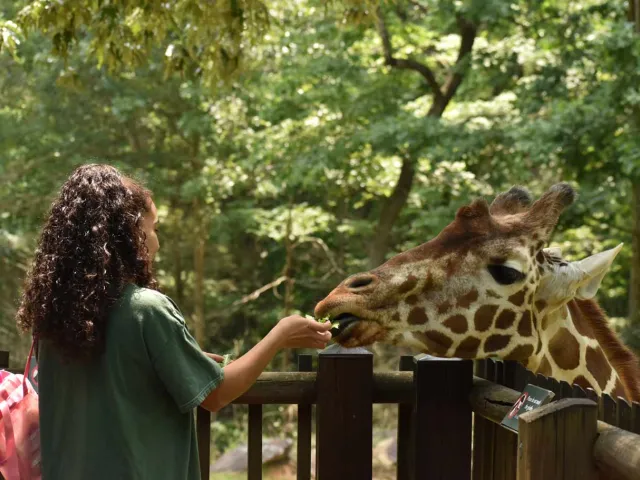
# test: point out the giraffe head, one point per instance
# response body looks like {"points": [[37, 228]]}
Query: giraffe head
{"points": [[480, 288]]}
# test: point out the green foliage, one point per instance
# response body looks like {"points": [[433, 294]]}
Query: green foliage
{"points": [[301, 147]]}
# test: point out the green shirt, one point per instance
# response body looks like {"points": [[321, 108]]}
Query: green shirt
{"points": [[129, 415]]}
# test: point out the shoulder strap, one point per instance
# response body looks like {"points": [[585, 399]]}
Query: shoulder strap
{"points": [[26, 366]]}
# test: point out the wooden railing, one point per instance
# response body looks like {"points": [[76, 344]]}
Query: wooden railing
{"points": [[436, 400]]}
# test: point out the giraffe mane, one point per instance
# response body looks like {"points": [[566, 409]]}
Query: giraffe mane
{"points": [[622, 358]]}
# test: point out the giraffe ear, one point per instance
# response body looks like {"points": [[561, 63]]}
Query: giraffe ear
{"points": [[593, 269]]}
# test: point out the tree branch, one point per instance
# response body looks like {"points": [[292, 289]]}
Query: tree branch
{"points": [[256, 293], [405, 63], [468, 33]]}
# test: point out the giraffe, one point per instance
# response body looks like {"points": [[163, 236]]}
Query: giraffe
{"points": [[487, 286]]}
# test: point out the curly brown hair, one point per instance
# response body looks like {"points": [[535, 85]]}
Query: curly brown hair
{"points": [[92, 245]]}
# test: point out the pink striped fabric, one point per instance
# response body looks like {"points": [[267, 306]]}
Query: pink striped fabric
{"points": [[19, 426]]}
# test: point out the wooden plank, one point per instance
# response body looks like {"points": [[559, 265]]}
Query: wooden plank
{"points": [[506, 442], [479, 368], [609, 408], [578, 392], [405, 429], [4, 359], [624, 419], [203, 435], [591, 394], [443, 419], [566, 390], [480, 447], [616, 453], [505, 463], [255, 443], [557, 441], [482, 434], [489, 440], [636, 417], [499, 373], [516, 375], [286, 388], [344, 415], [305, 422]]}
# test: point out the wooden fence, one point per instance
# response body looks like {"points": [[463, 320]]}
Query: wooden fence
{"points": [[448, 422]]}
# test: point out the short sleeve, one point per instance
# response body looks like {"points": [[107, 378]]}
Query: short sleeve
{"points": [[188, 374]]}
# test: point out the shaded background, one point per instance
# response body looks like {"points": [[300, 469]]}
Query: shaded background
{"points": [[289, 144]]}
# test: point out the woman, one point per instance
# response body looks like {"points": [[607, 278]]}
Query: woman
{"points": [[119, 373]]}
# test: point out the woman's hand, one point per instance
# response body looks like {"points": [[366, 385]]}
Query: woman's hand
{"points": [[299, 332], [215, 356]]}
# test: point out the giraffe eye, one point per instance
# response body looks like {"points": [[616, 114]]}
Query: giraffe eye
{"points": [[505, 275]]}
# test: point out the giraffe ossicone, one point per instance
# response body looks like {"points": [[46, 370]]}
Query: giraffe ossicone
{"points": [[487, 286]]}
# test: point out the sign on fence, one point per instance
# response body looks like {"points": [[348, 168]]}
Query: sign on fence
{"points": [[532, 397]]}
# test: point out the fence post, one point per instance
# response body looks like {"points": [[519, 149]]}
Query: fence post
{"points": [[555, 442], [203, 434], [254, 444], [442, 419], [305, 364], [4, 359], [405, 429], [344, 414]]}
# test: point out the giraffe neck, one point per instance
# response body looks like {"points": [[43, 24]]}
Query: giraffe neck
{"points": [[577, 346]]}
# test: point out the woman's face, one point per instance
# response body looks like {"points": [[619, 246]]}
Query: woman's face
{"points": [[149, 225]]}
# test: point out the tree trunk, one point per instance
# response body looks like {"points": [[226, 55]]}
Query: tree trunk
{"points": [[390, 213], [177, 272], [634, 283], [198, 264], [442, 96], [288, 284]]}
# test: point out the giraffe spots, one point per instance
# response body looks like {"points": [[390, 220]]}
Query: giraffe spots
{"points": [[532, 251], [525, 326], [521, 352], [540, 257], [397, 339], [545, 367], [579, 320], [518, 298], [539, 347], [408, 285], [618, 389], [429, 284], [457, 323], [496, 342], [436, 342], [466, 300], [544, 323], [411, 299], [452, 265], [395, 317], [492, 294], [468, 348], [581, 381], [598, 365], [540, 305], [565, 350], [444, 307], [417, 316], [540, 270], [484, 317], [505, 319]]}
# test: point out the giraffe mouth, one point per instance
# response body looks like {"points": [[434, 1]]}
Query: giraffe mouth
{"points": [[345, 322]]}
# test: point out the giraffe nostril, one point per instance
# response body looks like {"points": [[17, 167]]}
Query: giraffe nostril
{"points": [[360, 281]]}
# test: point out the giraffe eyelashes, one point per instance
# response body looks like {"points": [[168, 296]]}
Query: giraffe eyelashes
{"points": [[505, 275]]}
